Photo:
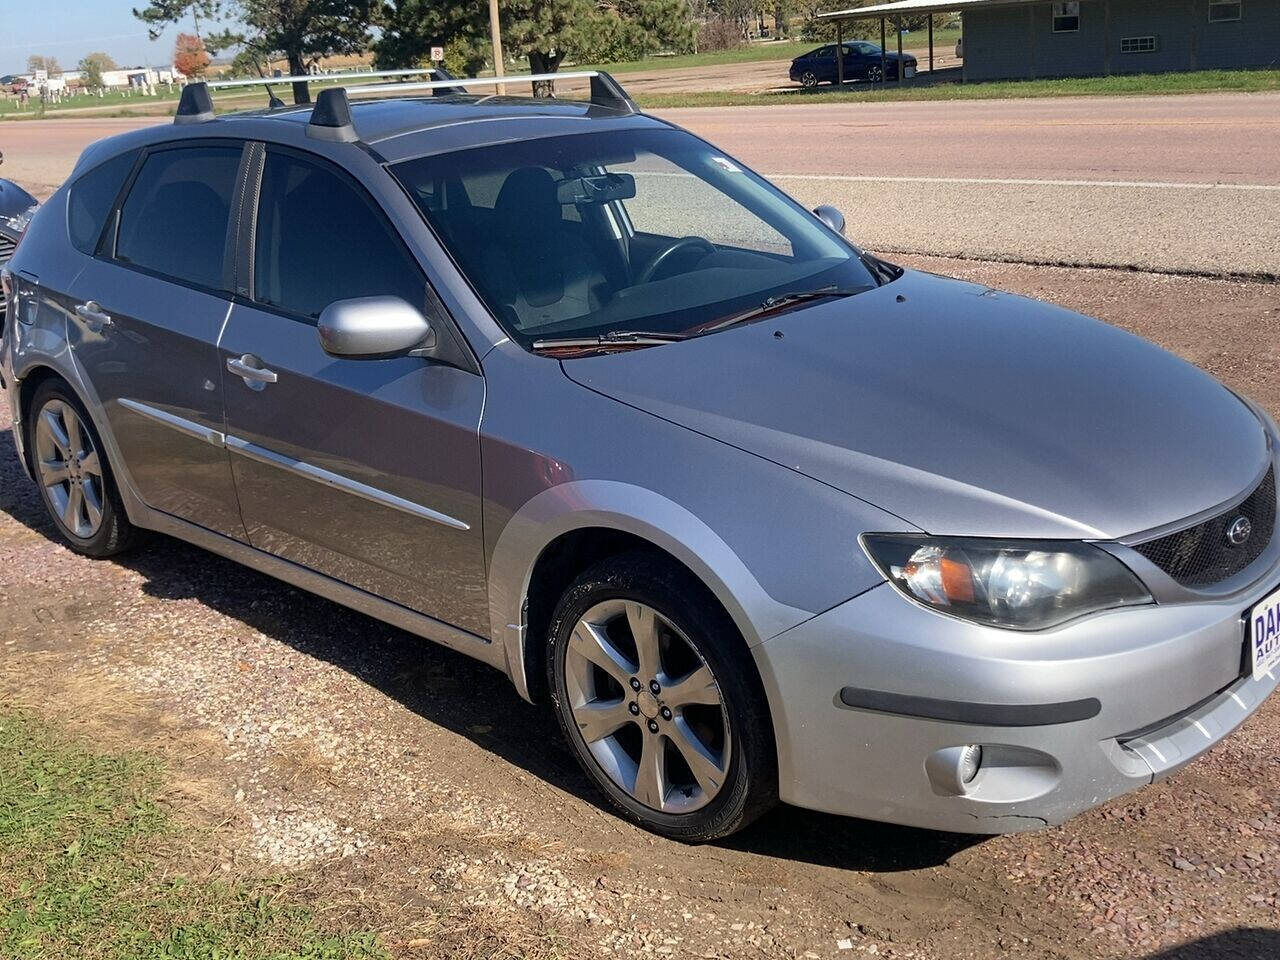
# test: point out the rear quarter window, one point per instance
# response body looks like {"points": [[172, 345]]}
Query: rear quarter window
{"points": [[91, 198]]}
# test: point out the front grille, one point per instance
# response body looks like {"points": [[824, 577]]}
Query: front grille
{"points": [[1201, 556], [7, 246]]}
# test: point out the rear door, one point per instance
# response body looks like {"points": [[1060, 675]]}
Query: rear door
{"points": [[367, 470], [144, 321]]}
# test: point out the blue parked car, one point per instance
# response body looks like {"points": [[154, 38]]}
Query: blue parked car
{"points": [[862, 61]]}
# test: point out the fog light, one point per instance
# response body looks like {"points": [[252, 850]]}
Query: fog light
{"points": [[952, 769]]}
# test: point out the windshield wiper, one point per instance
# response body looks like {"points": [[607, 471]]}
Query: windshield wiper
{"points": [[772, 304], [625, 338]]}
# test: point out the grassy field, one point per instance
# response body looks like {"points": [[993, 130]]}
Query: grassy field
{"points": [[90, 867], [1158, 84]]}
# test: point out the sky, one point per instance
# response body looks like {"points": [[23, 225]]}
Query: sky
{"points": [[68, 29]]}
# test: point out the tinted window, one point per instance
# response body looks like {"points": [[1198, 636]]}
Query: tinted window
{"points": [[320, 240], [91, 199], [174, 220]]}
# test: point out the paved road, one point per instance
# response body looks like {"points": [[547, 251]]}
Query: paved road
{"points": [[1188, 183]]}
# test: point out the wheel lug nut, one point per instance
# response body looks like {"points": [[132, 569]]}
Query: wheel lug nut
{"points": [[653, 726], [634, 708], [654, 688], [635, 683], [666, 713]]}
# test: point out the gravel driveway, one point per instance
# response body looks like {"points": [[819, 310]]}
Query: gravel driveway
{"points": [[413, 786]]}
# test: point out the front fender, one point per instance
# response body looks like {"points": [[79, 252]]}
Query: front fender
{"points": [[616, 505]]}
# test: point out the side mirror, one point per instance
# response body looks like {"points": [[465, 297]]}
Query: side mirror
{"points": [[374, 327], [832, 217]]}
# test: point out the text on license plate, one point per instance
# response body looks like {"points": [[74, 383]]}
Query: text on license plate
{"points": [[1264, 635]]}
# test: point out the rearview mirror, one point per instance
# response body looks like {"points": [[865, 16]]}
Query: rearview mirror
{"points": [[832, 217], [604, 188], [373, 327]]}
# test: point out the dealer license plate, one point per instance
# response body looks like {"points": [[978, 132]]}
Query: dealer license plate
{"points": [[1264, 635]]}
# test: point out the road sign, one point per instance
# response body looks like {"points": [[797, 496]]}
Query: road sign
{"points": [[437, 54]]}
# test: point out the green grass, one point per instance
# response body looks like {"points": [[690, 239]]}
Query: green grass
{"points": [[1157, 84], [85, 869]]}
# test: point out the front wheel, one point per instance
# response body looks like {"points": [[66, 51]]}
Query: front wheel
{"points": [[874, 74], [656, 693], [808, 79]]}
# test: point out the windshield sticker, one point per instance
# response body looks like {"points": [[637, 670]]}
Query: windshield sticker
{"points": [[725, 164]]}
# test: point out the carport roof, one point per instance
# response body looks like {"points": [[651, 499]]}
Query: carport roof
{"points": [[916, 6]]}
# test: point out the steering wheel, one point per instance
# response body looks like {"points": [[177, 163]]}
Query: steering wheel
{"points": [[670, 250]]}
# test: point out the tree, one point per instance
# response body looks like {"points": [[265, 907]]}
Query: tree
{"points": [[163, 12], [189, 55], [50, 64], [302, 31], [92, 67], [411, 28], [547, 32]]}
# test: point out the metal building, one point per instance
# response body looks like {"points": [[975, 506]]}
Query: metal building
{"points": [[1032, 38]]}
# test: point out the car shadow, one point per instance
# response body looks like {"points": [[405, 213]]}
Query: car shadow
{"points": [[1243, 943], [453, 691]]}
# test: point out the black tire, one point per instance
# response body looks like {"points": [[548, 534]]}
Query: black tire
{"points": [[809, 80], [115, 534], [874, 74], [750, 787]]}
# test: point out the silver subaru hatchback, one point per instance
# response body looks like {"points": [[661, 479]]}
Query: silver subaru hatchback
{"points": [[567, 389]]}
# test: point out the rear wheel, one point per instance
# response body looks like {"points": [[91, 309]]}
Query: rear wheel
{"points": [[72, 472], [656, 694]]}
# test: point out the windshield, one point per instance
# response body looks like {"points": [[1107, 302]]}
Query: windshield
{"points": [[607, 233]]}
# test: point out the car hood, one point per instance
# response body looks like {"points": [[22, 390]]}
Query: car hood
{"points": [[960, 409]]}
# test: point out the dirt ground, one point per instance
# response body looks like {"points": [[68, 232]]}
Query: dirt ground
{"points": [[415, 791]]}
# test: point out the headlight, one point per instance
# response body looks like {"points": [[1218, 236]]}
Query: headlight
{"points": [[19, 222], [1016, 584]]}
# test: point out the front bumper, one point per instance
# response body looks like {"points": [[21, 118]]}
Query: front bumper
{"points": [[871, 699]]}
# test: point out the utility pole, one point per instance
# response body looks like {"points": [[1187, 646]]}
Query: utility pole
{"points": [[495, 34]]}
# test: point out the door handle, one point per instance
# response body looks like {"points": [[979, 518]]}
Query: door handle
{"points": [[244, 368], [93, 316]]}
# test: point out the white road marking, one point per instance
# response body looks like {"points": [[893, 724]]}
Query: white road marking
{"points": [[1011, 182]]}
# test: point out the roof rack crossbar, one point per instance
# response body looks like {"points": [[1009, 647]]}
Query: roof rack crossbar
{"points": [[605, 90], [331, 116], [324, 77]]}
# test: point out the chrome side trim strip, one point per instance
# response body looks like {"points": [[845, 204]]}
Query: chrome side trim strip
{"points": [[311, 472], [189, 427]]}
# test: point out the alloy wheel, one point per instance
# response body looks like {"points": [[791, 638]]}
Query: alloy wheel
{"points": [[809, 79], [873, 74], [69, 468], [647, 707]]}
